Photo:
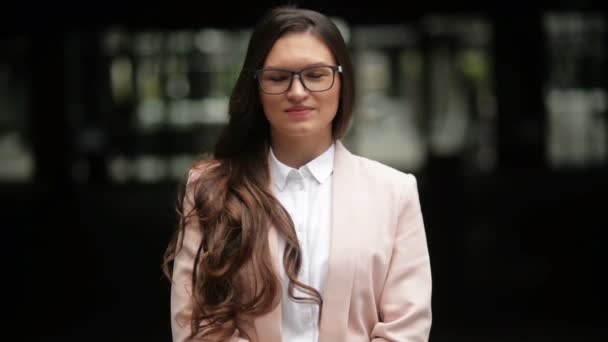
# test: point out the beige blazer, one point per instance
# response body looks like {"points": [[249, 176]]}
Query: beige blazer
{"points": [[378, 285]]}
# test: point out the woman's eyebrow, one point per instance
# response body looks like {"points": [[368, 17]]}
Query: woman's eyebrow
{"points": [[303, 67]]}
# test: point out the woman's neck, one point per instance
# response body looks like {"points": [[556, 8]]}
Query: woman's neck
{"points": [[298, 151]]}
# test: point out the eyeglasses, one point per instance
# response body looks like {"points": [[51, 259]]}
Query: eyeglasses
{"points": [[276, 81]]}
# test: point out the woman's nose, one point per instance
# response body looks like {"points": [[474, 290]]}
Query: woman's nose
{"points": [[297, 88]]}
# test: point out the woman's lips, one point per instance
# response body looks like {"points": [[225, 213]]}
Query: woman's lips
{"points": [[298, 111]]}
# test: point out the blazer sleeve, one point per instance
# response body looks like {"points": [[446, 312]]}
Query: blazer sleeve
{"points": [[183, 266], [405, 302]]}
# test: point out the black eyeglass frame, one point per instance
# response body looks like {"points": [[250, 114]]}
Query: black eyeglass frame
{"points": [[334, 68]]}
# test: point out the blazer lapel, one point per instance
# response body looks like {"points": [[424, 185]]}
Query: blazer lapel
{"points": [[268, 326], [340, 273]]}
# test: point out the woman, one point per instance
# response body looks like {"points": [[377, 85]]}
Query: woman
{"points": [[285, 235]]}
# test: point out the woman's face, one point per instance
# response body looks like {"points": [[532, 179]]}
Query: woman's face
{"points": [[299, 112]]}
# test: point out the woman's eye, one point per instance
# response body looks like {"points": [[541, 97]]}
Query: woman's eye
{"points": [[278, 78], [315, 75]]}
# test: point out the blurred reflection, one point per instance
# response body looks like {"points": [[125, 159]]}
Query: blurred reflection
{"points": [[16, 164], [425, 91], [461, 104], [386, 124], [170, 88], [575, 90]]}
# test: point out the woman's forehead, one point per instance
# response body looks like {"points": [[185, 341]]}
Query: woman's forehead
{"points": [[299, 50]]}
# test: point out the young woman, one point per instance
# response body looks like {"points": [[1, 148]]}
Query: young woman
{"points": [[285, 235]]}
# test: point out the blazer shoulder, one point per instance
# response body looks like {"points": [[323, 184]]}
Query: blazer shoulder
{"points": [[378, 172]]}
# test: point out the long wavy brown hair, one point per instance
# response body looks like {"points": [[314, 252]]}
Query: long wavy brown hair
{"points": [[232, 202]]}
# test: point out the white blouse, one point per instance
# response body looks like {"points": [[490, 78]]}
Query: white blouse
{"points": [[306, 195]]}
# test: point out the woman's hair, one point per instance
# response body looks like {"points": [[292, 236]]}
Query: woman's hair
{"points": [[233, 273]]}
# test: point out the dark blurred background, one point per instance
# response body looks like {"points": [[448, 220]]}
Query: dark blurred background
{"points": [[500, 110]]}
